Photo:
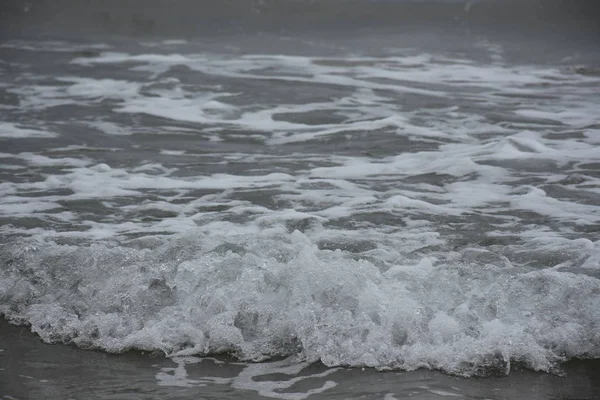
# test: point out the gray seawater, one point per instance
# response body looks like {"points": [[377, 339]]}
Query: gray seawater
{"points": [[329, 196], [33, 370]]}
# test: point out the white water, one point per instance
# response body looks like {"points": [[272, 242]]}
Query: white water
{"points": [[442, 214]]}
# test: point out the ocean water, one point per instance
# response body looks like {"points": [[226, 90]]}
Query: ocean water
{"points": [[324, 204]]}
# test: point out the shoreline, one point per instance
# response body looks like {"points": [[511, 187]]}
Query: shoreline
{"points": [[31, 368]]}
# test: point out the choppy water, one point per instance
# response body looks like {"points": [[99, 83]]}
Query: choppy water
{"points": [[374, 201]]}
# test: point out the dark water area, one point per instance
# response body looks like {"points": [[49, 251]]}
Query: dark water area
{"points": [[201, 17]]}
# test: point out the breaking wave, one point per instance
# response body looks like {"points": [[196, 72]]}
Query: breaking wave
{"points": [[275, 294]]}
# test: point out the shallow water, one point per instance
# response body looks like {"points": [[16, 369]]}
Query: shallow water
{"points": [[31, 370], [370, 198]]}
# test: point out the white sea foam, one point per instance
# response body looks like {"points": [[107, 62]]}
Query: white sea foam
{"points": [[41, 160], [52, 46], [396, 212], [444, 393], [369, 105], [247, 378], [12, 130], [264, 296]]}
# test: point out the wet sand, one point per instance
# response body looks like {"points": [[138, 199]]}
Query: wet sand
{"points": [[30, 369]]}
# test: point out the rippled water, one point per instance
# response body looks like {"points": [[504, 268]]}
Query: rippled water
{"points": [[33, 370], [396, 207]]}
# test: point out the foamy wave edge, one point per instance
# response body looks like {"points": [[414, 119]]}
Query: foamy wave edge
{"points": [[270, 296]]}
